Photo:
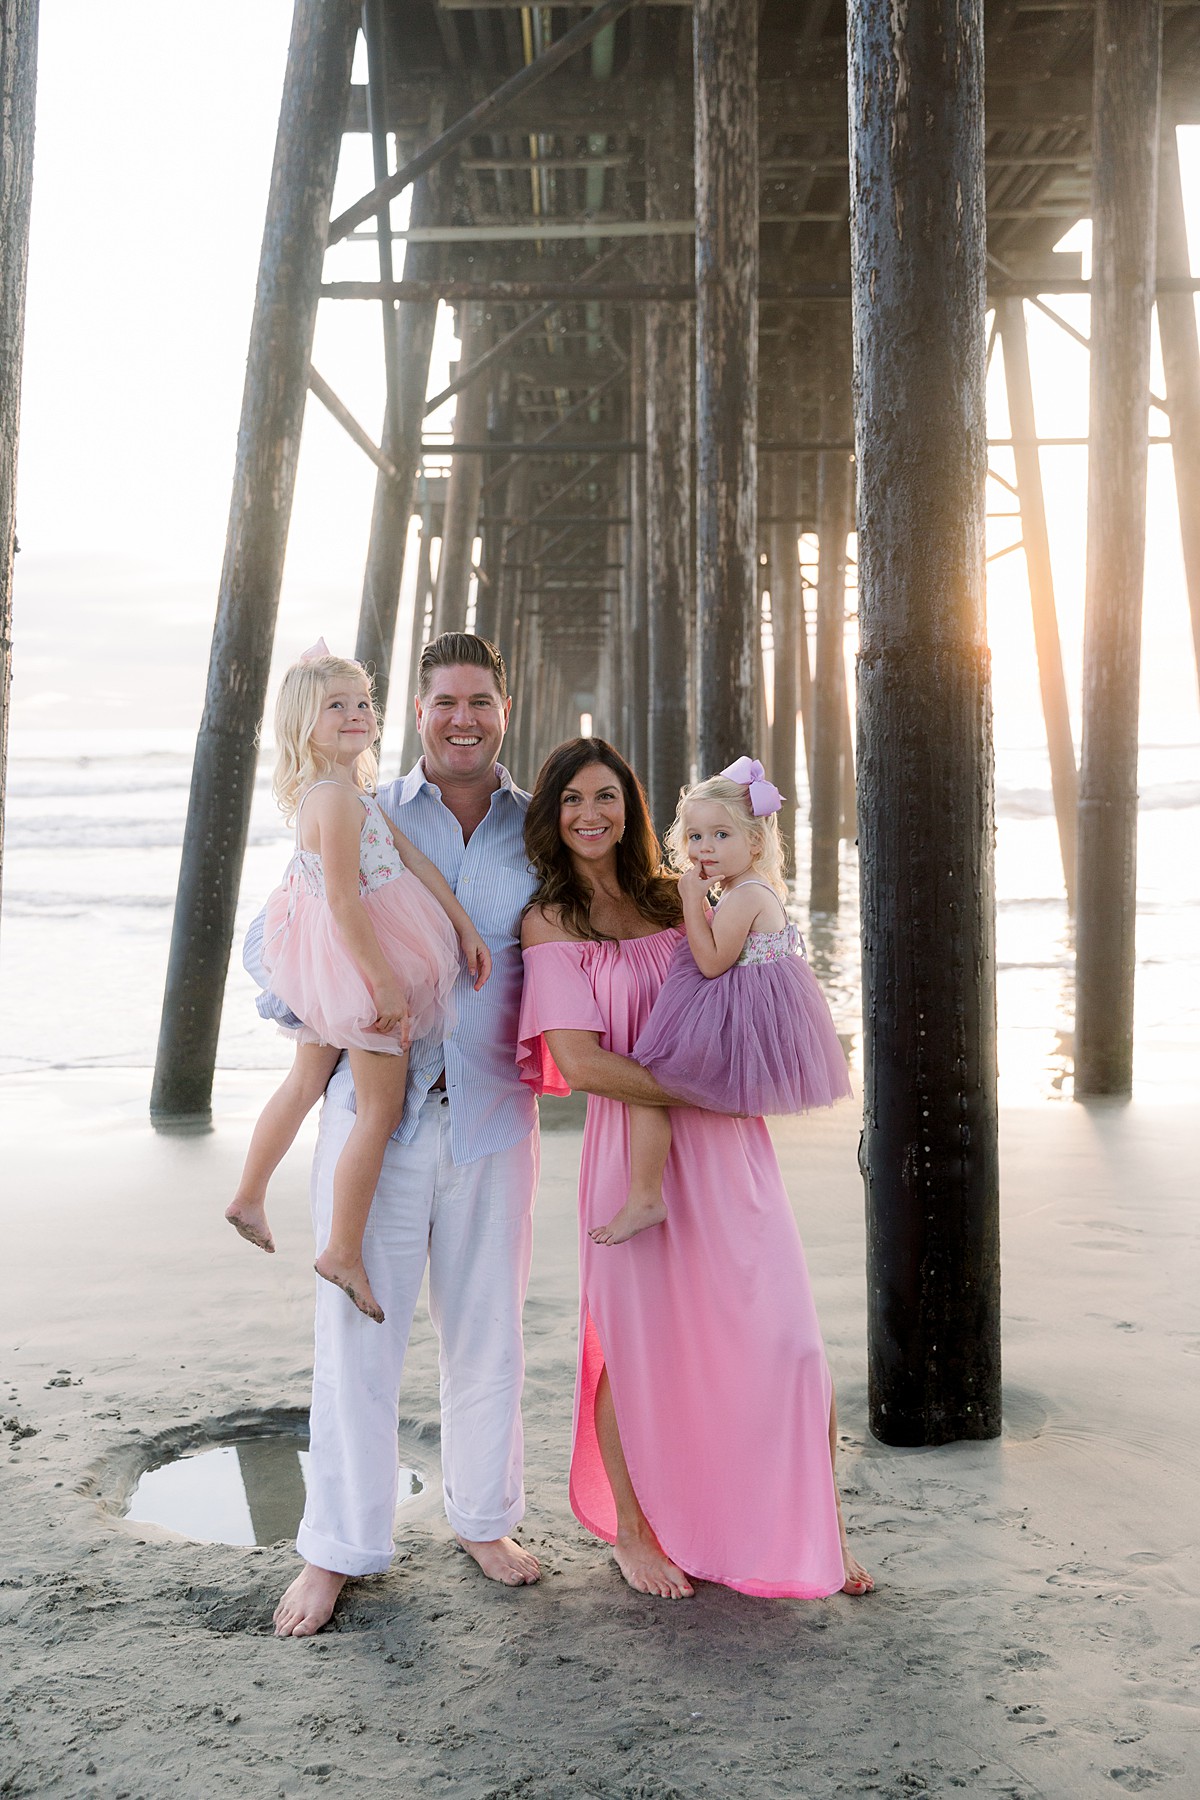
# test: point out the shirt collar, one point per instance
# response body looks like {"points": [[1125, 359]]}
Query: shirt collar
{"points": [[416, 779]]}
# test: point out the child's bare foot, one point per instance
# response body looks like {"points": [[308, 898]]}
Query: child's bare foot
{"points": [[647, 1567], [644, 1207], [249, 1220], [349, 1275]]}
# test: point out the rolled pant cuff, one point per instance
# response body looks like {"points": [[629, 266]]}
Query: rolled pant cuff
{"points": [[343, 1559], [484, 1531]]}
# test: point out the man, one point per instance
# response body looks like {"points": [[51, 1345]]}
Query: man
{"points": [[456, 1189]]}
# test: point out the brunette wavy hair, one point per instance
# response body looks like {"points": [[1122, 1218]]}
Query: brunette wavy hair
{"points": [[640, 869]]}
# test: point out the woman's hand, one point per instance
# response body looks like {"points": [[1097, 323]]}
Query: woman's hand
{"points": [[392, 1018], [476, 955]]}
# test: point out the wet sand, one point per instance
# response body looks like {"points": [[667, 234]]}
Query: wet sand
{"points": [[1035, 1631]]}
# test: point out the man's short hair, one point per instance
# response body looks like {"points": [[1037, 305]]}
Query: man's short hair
{"points": [[454, 648]]}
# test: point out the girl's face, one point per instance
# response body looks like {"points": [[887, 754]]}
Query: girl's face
{"points": [[717, 846], [591, 814], [346, 724]]}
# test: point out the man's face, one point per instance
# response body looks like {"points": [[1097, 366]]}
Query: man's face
{"points": [[461, 722]]}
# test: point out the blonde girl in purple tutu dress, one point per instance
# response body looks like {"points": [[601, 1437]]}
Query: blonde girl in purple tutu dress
{"points": [[740, 1025], [361, 943]]}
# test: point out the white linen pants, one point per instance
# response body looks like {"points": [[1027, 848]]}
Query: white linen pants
{"points": [[474, 1225]]}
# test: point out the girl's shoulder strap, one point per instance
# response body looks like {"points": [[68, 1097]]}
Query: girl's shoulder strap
{"points": [[310, 789], [757, 881]]}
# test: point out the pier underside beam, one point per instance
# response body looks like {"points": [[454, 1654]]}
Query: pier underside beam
{"points": [[1125, 134], [315, 92], [929, 1147]]}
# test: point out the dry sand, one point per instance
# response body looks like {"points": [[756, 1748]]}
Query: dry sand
{"points": [[1035, 1630]]}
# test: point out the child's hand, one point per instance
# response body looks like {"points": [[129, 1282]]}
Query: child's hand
{"points": [[392, 1018], [477, 957], [692, 884]]}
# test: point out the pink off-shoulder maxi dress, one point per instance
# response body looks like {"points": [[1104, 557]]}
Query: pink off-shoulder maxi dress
{"points": [[706, 1324]]}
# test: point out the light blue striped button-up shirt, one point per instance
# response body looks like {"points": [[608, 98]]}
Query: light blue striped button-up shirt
{"points": [[491, 1108]]}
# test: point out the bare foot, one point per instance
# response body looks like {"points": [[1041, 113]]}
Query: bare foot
{"points": [[647, 1567], [503, 1560], [643, 1208], [351, 1277], [857, 1580], [249, 1220], [308, 1604]]}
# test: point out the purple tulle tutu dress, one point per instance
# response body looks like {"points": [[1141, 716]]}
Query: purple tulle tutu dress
{"points": [[309, 965], [756, 1040]]}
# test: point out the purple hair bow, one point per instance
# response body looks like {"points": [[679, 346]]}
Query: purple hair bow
{"points": [[764, 796], [315, 652]]}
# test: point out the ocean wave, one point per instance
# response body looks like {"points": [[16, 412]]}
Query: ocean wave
{"points": [[82, 831], [1038, 803]]}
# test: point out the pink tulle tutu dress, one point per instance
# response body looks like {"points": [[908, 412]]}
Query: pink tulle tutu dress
{"points": [[311, 969], [758, 1039]]}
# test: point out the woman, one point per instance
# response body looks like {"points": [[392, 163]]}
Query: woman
{"points": [[704, 1419]]}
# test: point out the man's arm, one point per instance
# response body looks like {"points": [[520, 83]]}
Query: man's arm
{"points": [[269, 1006]]}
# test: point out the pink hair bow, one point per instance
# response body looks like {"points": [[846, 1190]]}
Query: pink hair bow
{"points": [[764, 796], [315, 652]]}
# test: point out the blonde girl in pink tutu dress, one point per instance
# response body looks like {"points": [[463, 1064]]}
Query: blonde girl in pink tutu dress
{"points": [[361, 943], [740, 1025]]}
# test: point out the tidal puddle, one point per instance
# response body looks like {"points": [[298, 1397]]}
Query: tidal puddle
{"points": [[250, 1491]]}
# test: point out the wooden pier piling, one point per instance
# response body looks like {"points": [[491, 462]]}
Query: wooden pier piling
{"points": [[315, 93], [463, 486], [835, 501], [1125, 134], [929, 1147], [1181, 366]]}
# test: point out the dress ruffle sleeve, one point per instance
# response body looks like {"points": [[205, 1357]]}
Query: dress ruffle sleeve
{"points": [[557, 996]]}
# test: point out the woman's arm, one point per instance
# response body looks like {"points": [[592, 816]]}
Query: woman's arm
{"points": [[590, 1070], [337, 816], [475, 951]]}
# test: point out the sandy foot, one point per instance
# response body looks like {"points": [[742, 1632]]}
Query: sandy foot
{"points": [[308, 1604], [857, 1580], [351, 1277], [249, 1220], [647, 1568], [503, 1560], [639, 1212]]}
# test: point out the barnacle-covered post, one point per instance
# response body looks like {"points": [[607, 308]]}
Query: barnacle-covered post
{"points": [[1125, 130], [929, 1146], [316, 89]]}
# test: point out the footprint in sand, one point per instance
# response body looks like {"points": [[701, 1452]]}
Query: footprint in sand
{"points": [[1136, 1781]]}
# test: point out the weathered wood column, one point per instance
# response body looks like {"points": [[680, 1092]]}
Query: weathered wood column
{"points": [[835, 500], [725, 59], [929, 1150], [464, 486], [1125, 131], [636, 661], [18, 86], [423, 550], [668, 376], [1064, 780], [315, 91], [413, 328], [785, 606], [1181, 366]]}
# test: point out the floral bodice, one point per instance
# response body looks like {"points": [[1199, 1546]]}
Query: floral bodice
{"points": [[771, 946], [378, 859]]}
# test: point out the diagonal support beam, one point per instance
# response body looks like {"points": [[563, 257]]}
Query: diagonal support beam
{"points": [[480, 117]]}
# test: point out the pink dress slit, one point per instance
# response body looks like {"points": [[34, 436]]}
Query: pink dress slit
{"points": [[706, 1324]]}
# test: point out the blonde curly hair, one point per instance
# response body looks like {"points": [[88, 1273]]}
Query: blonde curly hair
{"points": [[297, 709], [763, 834]]}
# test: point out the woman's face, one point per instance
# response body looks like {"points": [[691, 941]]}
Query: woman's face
{"points": [[591, 814]]}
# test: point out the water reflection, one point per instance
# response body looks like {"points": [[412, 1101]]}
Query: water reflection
{"points": [[249, 1492]]}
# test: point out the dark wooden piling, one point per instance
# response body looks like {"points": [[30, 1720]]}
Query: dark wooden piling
{"points": [[636, 620], [413, 331], [463, 486], [1181, 365], [1125, 132], [835, 499], [725, 39], [929, 1147], [1035, 536], [18, 87], [668, 376], [315, 93]]}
